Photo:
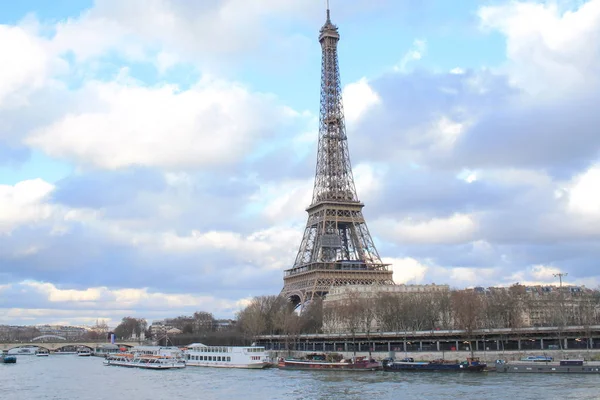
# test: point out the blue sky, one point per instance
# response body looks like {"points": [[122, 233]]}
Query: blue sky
{"points": [[156, 157]]}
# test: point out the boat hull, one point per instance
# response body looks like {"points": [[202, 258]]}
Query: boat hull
{"points": [[134, 364], [328, 366], [549, 368], [433, 367], [217, 365]]}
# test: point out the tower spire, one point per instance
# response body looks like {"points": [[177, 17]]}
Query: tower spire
{"points": [[337, 248]]}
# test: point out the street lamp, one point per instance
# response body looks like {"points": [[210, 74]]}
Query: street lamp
{"points": [[560, 275]]}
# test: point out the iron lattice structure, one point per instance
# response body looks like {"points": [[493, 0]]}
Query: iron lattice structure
{"points": [[337, 248]]}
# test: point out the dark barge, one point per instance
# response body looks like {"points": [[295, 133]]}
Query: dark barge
{"points": [[408, 364], [562, 367]]}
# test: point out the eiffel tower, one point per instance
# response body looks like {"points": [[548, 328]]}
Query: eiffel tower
{"points": [[337, 248]]}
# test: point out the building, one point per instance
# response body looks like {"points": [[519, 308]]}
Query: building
{"points": [[357, 307]]}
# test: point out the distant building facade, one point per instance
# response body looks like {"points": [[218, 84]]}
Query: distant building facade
{"points": [[495, 307]]}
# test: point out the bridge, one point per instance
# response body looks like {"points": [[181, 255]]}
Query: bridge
{"points": [[53, 343]]}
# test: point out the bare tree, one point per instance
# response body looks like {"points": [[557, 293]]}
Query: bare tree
{"points": [[203, 322], [386, 309], [312, 316], [352, 310], [252, 320], [443, 306], [467, 307]]}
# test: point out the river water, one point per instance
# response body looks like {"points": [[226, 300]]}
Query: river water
{"points": [[86, 378]]}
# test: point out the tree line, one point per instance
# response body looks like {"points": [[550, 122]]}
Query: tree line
{"points": [[467, 310]]}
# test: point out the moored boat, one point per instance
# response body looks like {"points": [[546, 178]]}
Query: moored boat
{"points": [[329, 362], [143, 361], [106, 349], [84, 352], [7, 359], [408, 364], [200, 355], [42, 352], [166, 351], [561, 367], [22, 351]]}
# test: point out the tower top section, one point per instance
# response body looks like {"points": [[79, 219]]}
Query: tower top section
{"points": [[328, 29]]}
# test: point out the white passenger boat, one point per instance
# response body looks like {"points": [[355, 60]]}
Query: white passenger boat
{"points": [[165, 351], [106, 349], [84, 352], [42, 353], [144, 361], [23, 351], [200, 355]]}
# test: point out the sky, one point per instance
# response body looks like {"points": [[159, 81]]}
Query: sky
{"points": [[157, 156]]}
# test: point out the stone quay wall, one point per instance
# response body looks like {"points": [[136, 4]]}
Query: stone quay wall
{"points": [[486, 356]]}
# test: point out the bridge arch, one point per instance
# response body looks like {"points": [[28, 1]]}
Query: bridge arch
{"points": [[48, 337]]}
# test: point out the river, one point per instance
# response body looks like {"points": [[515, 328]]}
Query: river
{"points": [[59, 377]]}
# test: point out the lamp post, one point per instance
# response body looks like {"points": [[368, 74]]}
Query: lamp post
{"points": [[560, 276]]}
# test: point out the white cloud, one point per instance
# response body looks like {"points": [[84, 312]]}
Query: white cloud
{"points": [[472, 276], [518, 177], [584, 193], [416, 52], [369, 180], [358, 98], [407, 270], [196, 32], [551, 50], [213, 123], [283, 201], [24, 203], [446, 132], [24, 66], [84, 306], [104, 297], [458, 228], [544, 273]]}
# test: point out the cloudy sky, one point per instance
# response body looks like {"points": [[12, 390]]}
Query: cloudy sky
{"points": [[157, 156]]}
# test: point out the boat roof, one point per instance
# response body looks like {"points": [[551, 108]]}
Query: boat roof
{"points": [[155, 347], [197, 345], [108, 346]]}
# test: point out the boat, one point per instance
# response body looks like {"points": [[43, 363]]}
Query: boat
{"points": [[42, 352], [106, 349], [166, 351], [201, 355], [561, 367], [23, 351], [7, 359], [409, 364], [331, 361], [84, 352], [143, 361], [537, 358]]}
